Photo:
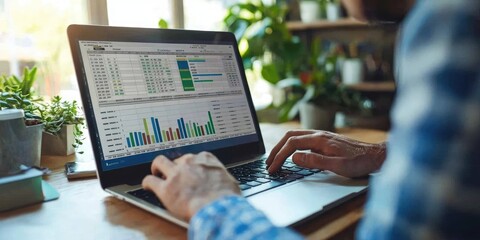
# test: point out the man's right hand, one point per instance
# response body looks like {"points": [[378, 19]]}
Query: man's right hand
{"points": [[328, 151], [190, 182]]}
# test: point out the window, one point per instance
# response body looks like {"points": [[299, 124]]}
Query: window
{"points": [[205, 14], [139, 13], [197, 15], [33, 32]]}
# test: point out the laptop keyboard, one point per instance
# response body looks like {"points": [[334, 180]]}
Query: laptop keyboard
{"points": [[252, 177], [147, 196]]}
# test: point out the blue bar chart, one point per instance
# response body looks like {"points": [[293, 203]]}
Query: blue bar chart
{"points": [[153, 133]]}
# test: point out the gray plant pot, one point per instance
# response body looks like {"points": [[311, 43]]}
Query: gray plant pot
{"points": [[315, 117], [60, 144], [19, 144]]}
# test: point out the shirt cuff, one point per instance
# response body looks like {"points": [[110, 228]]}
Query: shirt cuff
{"points": [[233, 217], [216, 211]]}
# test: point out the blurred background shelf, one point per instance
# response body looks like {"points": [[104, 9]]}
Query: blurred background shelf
{"points": [[325, 24], [374, 45], [384, 86]]}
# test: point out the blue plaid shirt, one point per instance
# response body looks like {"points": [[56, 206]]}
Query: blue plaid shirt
{"points": [[429, 186], [233, 217]]}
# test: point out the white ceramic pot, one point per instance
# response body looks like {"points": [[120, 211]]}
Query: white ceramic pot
{"points": [[352, 71], [334, 11], [315, 117], [309, 11]]}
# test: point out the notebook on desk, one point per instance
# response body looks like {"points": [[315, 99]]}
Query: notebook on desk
{"points": [[147, 92]]}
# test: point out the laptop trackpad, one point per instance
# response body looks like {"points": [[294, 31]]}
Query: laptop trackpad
{"points": [[289, 204]]}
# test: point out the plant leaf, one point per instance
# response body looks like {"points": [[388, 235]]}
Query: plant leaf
{"points": [[269, 73], [162, 23]]}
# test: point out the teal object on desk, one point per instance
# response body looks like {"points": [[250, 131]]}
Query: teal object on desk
{"points": [[24, 189]]}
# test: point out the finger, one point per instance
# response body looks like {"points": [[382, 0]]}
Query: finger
{"points": [[154, 184], [303, 142], [282, 142], [161, 165], [318, 161]]}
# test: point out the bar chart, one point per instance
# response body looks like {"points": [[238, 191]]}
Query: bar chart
{"points": [[205, 73], [185, 74], [153, 133], [166, 98], [153, 126], [207, 70]]}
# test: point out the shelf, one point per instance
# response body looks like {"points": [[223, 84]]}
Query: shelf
{"points": [[325, 24], [386, 86]]}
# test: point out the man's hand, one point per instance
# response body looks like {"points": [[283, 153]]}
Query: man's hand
{"points": [[190, 182], [328, 151]]}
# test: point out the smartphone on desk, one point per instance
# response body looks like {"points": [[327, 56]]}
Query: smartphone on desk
{"points": [[76, 170]]}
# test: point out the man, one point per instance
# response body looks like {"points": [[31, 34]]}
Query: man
{"points": [[429, 185]]}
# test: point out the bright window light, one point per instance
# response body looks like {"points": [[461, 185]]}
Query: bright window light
{"points": [[138, 13], [33, 32]]}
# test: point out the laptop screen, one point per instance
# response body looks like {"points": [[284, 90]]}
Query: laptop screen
{"points": [[164, 98]]}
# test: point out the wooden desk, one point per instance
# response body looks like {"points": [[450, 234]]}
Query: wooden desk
{"points": [[85, 211]]}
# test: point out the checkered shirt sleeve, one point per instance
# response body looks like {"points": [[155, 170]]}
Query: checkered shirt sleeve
{"points": [[429, 186], [232, 217]]}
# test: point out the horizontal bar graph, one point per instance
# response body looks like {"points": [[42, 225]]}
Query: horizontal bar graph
{"points": [[202, 81], [202, 60], [207, 74], [153, 133], [185, 75]]}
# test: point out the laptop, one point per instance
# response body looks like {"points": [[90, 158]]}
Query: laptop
{"points": [[147, 92]]}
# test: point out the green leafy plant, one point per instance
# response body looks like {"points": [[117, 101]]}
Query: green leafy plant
{"points": [[16, 100], [315, 83], [18, 93], [318, 84], [59, 113], [23, 85], [263, 35], [306, 75]]}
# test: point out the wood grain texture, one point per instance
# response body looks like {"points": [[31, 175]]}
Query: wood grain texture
{"points": [[85, 211]]}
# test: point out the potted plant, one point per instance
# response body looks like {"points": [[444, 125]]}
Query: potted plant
{"points": [[316, 93], [353, 66], [21, 137], [264, 38], [62, 131], [20, 127], [61, 126]]}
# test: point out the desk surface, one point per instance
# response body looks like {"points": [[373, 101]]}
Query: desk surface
{"points": [[85, 211]]}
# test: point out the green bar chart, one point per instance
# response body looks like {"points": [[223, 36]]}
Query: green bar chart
{"points": [[185, 74], [153, 133]]}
